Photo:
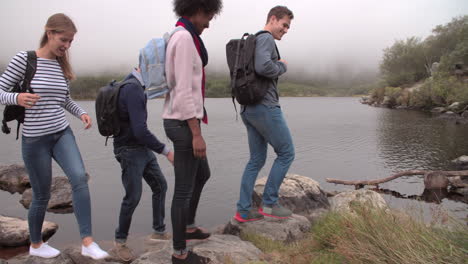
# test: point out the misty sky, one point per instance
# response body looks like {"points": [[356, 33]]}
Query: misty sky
{"points": [[324, 35]]}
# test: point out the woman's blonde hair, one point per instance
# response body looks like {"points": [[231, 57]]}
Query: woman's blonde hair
{"points": [[59, 23]]}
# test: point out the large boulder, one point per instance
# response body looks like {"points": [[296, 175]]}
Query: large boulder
{"points": [[298, 193], [60, 198], [287, 230], [219, 249], [14, 231], [14, 178], [344, 201]]}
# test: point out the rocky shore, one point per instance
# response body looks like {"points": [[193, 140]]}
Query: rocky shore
{"points": [[455, 111], [302, 194]]}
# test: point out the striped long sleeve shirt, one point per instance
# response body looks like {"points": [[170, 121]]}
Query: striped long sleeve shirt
{"points": [[47, 116]]}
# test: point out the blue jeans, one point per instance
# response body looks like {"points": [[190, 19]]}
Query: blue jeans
{"points": [[37, 155], [191, 174], [137, 163], [265, 125]]}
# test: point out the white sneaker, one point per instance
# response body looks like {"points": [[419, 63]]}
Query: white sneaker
{"points": [[93, 251], [44, 251]]}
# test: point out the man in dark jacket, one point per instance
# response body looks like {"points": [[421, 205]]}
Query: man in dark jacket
{"points": [[133, 149]]}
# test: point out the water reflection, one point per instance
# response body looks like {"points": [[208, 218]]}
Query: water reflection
{"points": [[429, 195], [409, 140]]}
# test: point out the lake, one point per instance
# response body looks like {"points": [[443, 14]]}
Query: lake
{"points": [[333, 137]]}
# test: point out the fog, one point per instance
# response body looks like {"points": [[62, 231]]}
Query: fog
{"points": [[325, 36]]}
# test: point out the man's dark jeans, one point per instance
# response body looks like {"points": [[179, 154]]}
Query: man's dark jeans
{"points": [[139, 162], [191, 175]]}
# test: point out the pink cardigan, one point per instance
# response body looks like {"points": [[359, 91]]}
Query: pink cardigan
{"points": [[184, 77]]}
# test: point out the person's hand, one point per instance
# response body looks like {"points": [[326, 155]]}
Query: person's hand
{"points": [[27, 100], [283, 61], [170, 157], [86, 120], [199, 147]]}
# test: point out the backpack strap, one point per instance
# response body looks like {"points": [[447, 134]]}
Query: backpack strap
{"points": [[236, 67], [31, 65]]}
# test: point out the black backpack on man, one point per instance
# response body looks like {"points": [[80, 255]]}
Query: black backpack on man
{"points": [[107, 108], [16, 112], [246, 85]]}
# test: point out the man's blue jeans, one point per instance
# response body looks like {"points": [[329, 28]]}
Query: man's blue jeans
{"points": [[265, 125], [37, 155], [137, 163]]}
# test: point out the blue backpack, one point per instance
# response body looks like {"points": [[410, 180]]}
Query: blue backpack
{"points": [[152, 65]]}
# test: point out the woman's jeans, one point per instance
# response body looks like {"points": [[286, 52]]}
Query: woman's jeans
{"points": [[137, 163], [37, 155], [265, 125], [191, 175]]}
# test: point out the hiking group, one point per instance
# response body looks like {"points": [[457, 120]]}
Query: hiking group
{"points": [[35, 90]]}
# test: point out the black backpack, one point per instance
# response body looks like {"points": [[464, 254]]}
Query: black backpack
{"points": [[107, 108], [246, 86], [16, 112]]}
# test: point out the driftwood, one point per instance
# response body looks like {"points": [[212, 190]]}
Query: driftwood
{"points": [[432, 179]]}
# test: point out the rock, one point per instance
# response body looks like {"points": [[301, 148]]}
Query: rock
{"points": [[365, 100], [461, 163], [462, 160], [218, 248], [287, 230], [14, 178], [74, 254], [435, 180], [14, 231], [343, 202], [387, 101], [27, 259], [438, 110], [465, 114], [298, 193], [160, 254], [67, 256], [60, 199], [227, 249], [458, 182], [454, 107]]}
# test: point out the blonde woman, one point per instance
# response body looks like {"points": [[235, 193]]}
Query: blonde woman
{"points": [[46, 133]]}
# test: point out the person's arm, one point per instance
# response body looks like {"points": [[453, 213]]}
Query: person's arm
{"points": [[14, 74], [264, 65], [137, 113], [198, 143]]}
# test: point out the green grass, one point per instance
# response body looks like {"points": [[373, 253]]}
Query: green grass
{"points": [[370, 236]]}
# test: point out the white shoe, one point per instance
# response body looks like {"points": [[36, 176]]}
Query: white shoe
{"points": [[93, 251], [44, 251]]}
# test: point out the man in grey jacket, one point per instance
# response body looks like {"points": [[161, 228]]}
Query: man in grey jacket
{"points": [[266, 125]]}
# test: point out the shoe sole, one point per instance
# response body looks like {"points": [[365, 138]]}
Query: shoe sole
{"points": [[54, 256], [89, 256], [241, 220], [274, 216]]}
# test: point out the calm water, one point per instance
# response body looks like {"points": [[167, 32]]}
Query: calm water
{"points": [[334, 138]]}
